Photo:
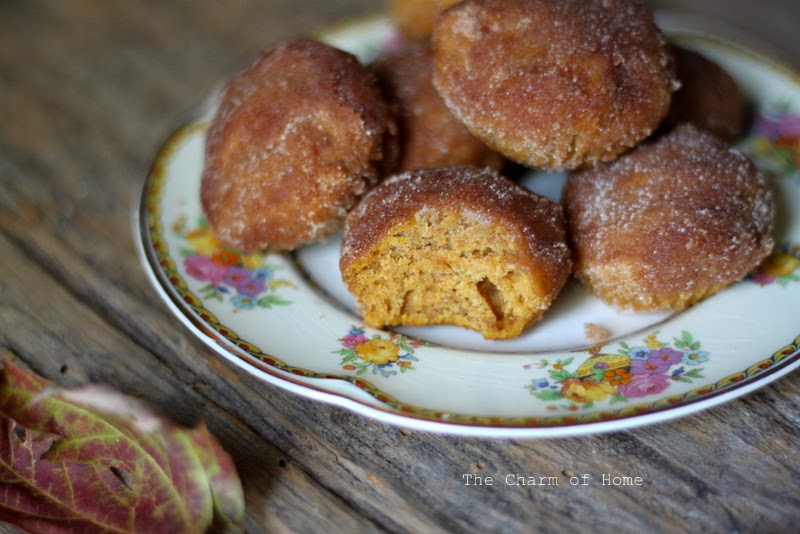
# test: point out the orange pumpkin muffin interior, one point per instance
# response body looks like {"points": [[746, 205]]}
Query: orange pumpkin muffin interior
{"points": [[460, 246]]}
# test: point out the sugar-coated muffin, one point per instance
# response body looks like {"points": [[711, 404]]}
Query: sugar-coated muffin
{"points": [[669, 223], [414, 19], [297, 139], [430, 136], [554, 84], [709, 97], [461, 246]]}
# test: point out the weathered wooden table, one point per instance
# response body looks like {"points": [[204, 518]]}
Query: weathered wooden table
{"points": [[88, 90]]}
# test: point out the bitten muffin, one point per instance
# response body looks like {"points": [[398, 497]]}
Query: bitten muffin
{"points": [[554, 84], [709, 97], [460, 246], [670, 223], [297, 139], [430, 136]]}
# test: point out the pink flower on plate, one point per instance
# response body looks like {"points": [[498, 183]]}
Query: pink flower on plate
{"points": [[351, 340], [778, 126], [236, 276], [643, 385], [666, 354], [203, 268], [251, 287], [650, 366], [762, 279]]}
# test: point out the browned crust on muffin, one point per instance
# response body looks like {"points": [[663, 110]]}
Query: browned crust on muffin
{"points": [[670, 223], [556, 84], [430, 136], [709, 97], [297, 139]]}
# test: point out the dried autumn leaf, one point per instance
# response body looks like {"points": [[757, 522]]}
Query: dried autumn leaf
{"points": [[94, 460]]}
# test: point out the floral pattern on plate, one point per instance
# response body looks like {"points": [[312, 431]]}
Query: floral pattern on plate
{"points": [[781, 267], [630, 372], [246, 279], [774, 143], [384, 355]]}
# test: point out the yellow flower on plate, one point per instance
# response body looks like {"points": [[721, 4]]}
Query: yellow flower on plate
{"points": [[377, 351], [761, 145], [779, 264], [204, 241], [253, 260], [275, 284], [585, 390], [652, 342]]}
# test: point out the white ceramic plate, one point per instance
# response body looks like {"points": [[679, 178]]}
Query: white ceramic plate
{"points": [[289, 320]]}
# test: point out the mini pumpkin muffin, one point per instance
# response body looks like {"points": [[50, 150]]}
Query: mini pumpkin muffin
{"points": [[298, 137], [709, 97], [461, 246], [430, 136], [554, 84], [670, 223]]}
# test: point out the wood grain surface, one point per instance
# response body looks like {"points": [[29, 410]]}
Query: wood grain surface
{"points": [[88, 90]]}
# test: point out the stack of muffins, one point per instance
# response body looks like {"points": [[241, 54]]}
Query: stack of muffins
{"points": [[408, 155]]}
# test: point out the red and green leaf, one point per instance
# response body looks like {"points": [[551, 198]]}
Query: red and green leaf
{"points": [[94, 460]]}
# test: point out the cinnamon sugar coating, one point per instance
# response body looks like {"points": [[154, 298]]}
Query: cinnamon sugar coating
{"points": [[430, 136], [461, 246], [554, 84], [670, 223], [708, 98], [297, 139]]}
